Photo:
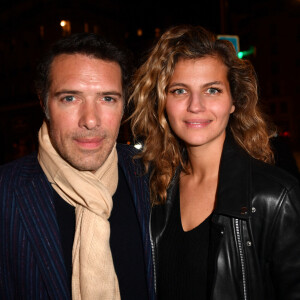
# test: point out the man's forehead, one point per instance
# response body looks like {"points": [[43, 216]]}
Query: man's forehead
{"points": [[66, 62], [67, 56]]}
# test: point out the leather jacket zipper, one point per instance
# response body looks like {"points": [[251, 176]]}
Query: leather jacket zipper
{"points": [[242, 257], [240, 249], [153, 252]]}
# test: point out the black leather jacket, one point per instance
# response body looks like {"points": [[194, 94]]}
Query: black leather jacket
{"points": [[255, 236]]}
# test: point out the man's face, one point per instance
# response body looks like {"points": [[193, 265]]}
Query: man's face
{"points": [[85, 106]]}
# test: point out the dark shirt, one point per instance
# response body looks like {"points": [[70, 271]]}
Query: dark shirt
{"points": [[125, 241], [182, 259]]}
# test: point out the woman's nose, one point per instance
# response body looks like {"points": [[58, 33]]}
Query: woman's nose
{"points": [[196, 103]]}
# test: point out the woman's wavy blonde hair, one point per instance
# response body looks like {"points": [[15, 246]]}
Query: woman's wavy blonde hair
{"points": [[163, 151]]}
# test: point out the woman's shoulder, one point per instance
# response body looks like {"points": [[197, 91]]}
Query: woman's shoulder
{"points": [[272, 176], [274, 190]]}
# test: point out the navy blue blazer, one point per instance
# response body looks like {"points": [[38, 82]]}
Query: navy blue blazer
{"points": [[31, 257]]}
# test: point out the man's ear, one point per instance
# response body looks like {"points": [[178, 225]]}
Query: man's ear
{"points": [[41, 102], [43, 107]]}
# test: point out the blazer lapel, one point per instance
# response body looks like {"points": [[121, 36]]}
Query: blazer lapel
{"points": [[139, 186], [37, 211]]}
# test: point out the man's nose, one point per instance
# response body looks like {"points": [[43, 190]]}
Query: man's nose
{"points": [[89, 115], [196, 103]]}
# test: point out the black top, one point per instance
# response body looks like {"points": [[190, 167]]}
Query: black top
{"points": [[125, 241], [182, 259]]}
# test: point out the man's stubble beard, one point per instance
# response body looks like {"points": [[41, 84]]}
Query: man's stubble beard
{"points": [[81, 159]]}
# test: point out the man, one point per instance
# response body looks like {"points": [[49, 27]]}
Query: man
{"points": [[59, 234]]}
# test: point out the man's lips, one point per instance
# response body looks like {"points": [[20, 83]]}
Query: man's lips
{"points": [[197, 123], [89, 143]]}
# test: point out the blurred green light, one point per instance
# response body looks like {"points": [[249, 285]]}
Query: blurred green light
{"points": [[242, 54]]}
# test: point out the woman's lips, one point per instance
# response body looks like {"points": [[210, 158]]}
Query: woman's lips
{"points": [[197, 123]]}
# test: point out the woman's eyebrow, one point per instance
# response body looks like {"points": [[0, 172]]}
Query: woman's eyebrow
{"points": [[213, 83]]}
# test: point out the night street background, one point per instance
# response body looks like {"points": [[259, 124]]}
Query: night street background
{"points": [[27, 28]]}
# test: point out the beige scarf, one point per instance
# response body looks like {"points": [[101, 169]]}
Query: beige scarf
{"points": [[93, 274]]}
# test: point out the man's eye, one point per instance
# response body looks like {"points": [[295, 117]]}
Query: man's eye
{"points": [[213, 91], [178, 91], [69, 98], [108, 99]]}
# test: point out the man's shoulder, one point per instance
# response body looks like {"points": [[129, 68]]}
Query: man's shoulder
{"points": [[128, 160], [126, 150], [26, 166], [127, 155]]}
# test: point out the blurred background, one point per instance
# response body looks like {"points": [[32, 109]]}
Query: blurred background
{"points": [[268, 33]]}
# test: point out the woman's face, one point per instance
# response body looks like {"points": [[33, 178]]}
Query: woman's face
{"points": [[199, 102]]}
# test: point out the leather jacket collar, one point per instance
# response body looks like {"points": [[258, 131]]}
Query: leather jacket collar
{"points": [[234, 187], [233, 192]]}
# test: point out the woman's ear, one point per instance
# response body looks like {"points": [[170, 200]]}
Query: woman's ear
{"points": [[232, 108]]}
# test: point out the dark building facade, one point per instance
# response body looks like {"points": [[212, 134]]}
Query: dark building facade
{"points": [[27, 27]]}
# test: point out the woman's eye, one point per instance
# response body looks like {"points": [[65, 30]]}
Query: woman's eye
{"points": [[178, 91], [213, 91], [69, 98]]}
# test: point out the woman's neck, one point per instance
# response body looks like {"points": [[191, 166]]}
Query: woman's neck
{"points": [[204, 160]]}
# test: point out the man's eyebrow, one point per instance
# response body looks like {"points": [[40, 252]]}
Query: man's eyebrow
{"points": [[62, 92], [74, 92], [108, 93]]}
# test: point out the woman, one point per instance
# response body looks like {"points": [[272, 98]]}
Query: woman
{"points": [[225, 223]]}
